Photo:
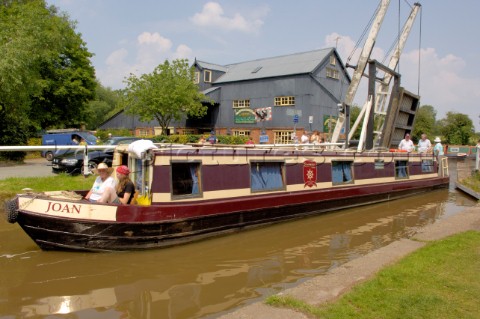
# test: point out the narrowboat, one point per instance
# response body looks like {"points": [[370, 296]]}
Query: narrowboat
{"points": [[192, 192]]}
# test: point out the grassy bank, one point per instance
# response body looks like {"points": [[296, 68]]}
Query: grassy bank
{"points": [[438, 281], [11, 186], [472, 182]]}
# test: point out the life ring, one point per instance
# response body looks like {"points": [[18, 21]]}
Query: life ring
{"points": [[11, 209]]}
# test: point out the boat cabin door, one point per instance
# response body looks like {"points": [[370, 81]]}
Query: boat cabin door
{"points": [[141, 175]]}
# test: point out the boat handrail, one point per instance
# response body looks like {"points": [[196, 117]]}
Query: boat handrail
{"points": [[14, 148]]}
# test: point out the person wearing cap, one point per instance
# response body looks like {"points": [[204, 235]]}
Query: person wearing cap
{"points": [[103, 182], [125, 189], [438, 148], [406, 144]]}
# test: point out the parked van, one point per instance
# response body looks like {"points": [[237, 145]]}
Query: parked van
{"points": [[61, 137]]}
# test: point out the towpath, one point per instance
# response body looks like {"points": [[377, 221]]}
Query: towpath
{"points": [[332, 285], [37, 167]]}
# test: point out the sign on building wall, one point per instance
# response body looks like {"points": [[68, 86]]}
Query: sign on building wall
{"points": [[244, 116], [263, 114], [329, 122]]}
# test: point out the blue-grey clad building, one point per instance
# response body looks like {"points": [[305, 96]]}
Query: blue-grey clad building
{"points": [[269, 97]]}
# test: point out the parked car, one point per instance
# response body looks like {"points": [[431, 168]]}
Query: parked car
{"points": [[72, 162], [65, 137]]}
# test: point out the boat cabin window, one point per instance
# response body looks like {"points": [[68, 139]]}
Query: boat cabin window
{"points": [[427, 166], [267, 176], [342, 172], [401, 169], [379, 164], [186, 179]]}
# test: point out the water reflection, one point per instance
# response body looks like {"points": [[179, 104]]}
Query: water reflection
{"points": [[207, 278]]}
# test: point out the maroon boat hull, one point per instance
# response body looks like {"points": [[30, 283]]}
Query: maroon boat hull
{"points": [[141, 227]]}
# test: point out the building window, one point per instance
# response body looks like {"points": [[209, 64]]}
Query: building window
{"points": [[401, 169], [143, 132], [342, 172], [266, 176], [196, 78], [332, 73], [282, 137], [186, 179], [237, 104], [241, 133], [333, 61], [284, 100], [427, 166], [207, 76]]}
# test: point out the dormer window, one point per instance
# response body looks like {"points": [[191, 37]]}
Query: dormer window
{"points": [[196, 78], [333, 61], [207, 76]]}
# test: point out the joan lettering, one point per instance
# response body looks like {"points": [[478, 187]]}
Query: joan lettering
{"points": [[63, 208]]}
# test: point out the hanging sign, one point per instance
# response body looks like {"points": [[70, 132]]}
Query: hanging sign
{"points": [[263, 114], [244, 116], [309, 173]]}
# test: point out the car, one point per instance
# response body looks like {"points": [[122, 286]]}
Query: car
{"points": [[72, 161], [65, 137]]}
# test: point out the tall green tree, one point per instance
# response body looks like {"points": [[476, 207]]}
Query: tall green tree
{"points": [[354, 113], [45, 72], [168, 93], [102, 106], [457, 128], [425, 122]]}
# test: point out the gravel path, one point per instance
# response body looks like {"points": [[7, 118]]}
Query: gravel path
{"points": [[330, 286]]}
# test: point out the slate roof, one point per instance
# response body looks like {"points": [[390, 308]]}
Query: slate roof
{"points": [[211, 66], [298, 63]]}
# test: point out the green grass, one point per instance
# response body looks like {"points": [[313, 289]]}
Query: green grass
{"points": [[441, 280], [14, 185], [472, 182]]}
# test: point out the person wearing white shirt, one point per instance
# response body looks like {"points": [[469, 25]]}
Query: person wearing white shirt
{"points": [[304, 139], [406, 144], [98, 193], [424, 145]]}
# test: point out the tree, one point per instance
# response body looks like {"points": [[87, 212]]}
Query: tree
{"points": [[102, 107], [45, 72], [168, 93], [456, 128], [425, 122], [354, 113]]}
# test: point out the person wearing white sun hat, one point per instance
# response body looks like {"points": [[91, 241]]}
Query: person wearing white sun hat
{"points": [[438, 148], [101, 184]]}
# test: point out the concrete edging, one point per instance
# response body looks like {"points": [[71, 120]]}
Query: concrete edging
{"points": [[330, 286]]}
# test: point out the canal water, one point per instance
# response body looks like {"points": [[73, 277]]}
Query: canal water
{"points": [[208, 278]]}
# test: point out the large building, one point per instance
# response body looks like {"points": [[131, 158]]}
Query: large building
{"points": [[266, 97]]}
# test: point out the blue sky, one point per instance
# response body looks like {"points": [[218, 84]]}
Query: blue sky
{"points": [[135, 36]]}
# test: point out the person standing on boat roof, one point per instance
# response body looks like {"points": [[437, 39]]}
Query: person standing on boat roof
{"points": [[315, 138], [304, 139], [424, 145], [438, 148], [406, 144], [102, 183]]}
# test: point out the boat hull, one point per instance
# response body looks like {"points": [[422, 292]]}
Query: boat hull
{"points": [[148, 227]]}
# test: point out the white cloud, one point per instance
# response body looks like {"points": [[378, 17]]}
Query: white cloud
{"points": [[182, 52], [150, 50], [212, 15]]}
